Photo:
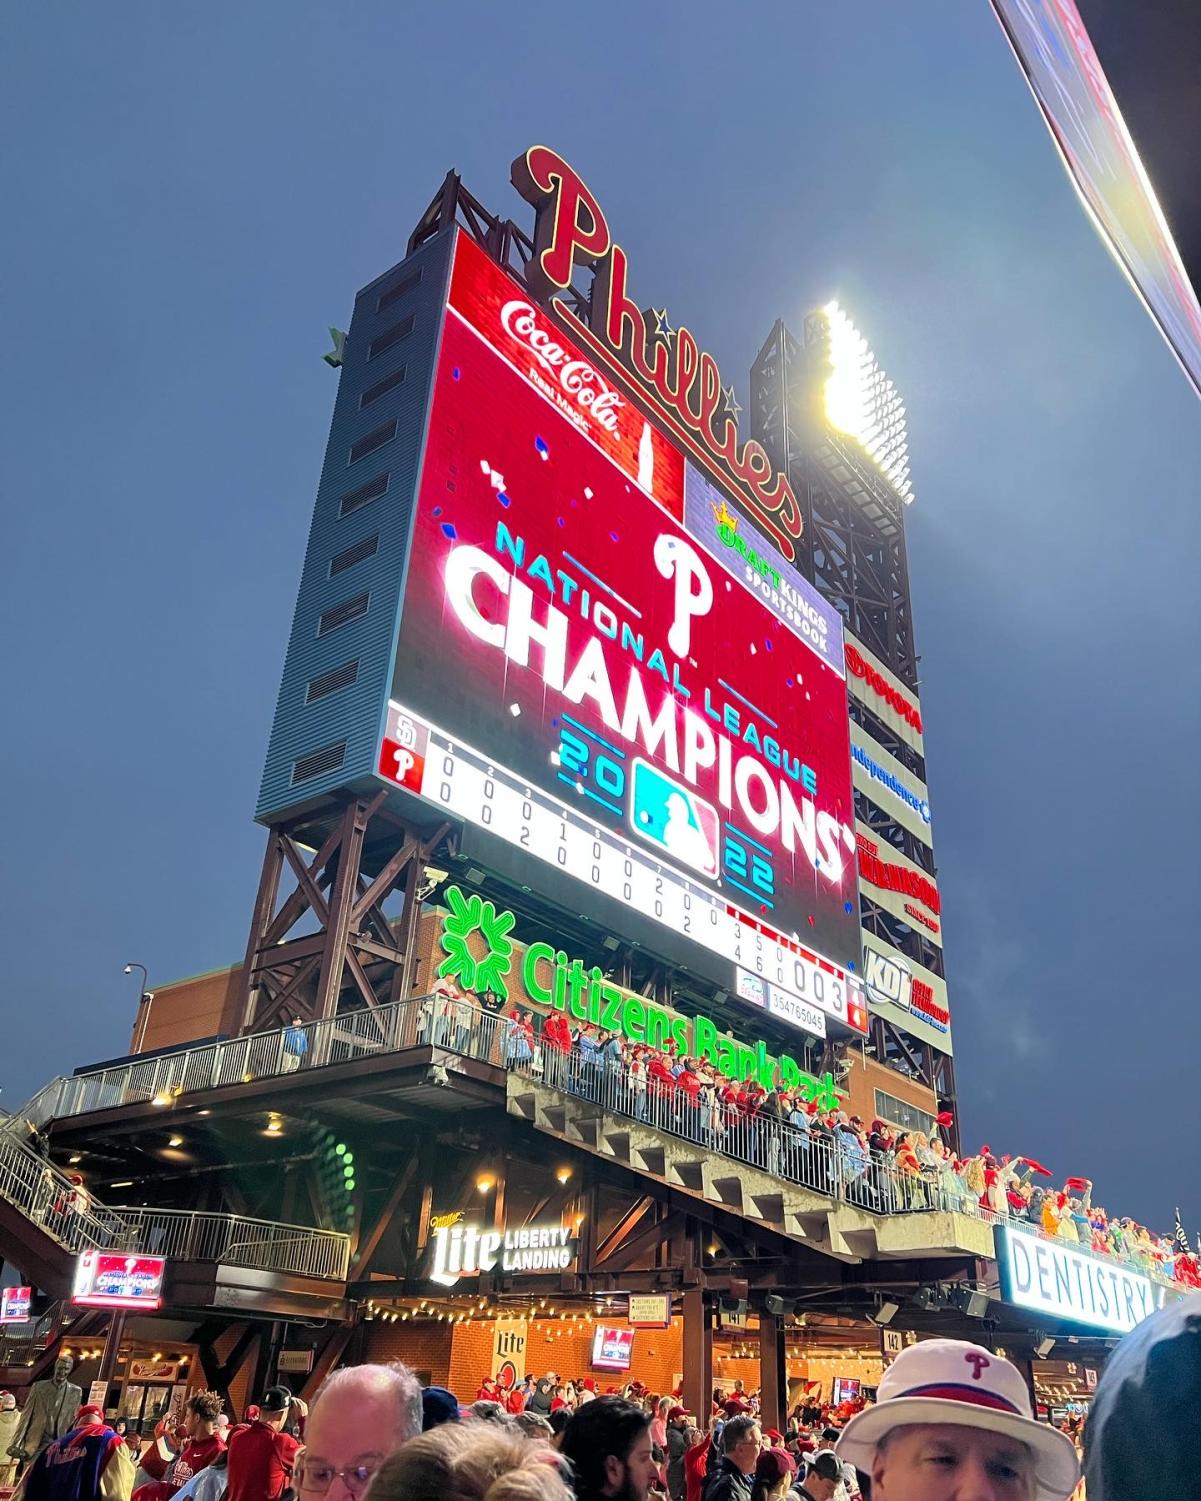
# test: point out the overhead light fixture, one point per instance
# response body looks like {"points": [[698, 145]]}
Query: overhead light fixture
{"points": [[563, 1175], [1044, 1347], [124, 1183], [885, 1313], [75, 1158], [485, 1185], [175, 1141]]}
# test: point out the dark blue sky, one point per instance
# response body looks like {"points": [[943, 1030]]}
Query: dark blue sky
{"points": [[192, 196]]}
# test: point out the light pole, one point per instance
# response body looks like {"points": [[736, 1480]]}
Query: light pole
{"points": [[145, 997]]}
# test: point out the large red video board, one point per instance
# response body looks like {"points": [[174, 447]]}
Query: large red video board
{"points": [[579, 675]]}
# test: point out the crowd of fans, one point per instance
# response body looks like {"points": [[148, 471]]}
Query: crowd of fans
{"points": [[790, 1134], [951, 1421]]}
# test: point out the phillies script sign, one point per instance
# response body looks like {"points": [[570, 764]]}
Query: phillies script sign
{"points": [[680, 381]]}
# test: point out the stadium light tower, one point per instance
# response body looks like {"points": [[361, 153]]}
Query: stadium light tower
{"points": [[862, 403]]}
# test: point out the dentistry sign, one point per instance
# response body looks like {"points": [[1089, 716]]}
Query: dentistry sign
{"points": [[1053, 1277], [653, 709], [461, 1250]]}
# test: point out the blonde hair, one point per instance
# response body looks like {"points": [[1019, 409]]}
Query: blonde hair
{"points": [[470, 1462]]}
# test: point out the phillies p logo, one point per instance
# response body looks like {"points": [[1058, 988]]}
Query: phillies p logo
{"points": [[694, 593]]}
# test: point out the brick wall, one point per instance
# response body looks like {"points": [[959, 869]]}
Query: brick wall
{"points": [[459, 1356], [868, 1076], [203, 1006]]}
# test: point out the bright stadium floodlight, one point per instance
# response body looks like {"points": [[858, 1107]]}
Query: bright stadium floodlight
{"points": [[863, 403]]}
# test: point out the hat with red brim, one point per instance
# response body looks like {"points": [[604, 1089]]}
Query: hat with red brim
{"points": [[948, 1381]]}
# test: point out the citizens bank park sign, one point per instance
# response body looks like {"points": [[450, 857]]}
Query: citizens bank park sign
{"points": [[482, 958], [646, 694]]}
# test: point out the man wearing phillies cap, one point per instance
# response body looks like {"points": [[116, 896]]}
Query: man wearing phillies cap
{"points": [[953, 1422], [678, 1420]]}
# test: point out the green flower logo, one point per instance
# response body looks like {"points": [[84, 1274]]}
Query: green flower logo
{"points": [[469, 915]]}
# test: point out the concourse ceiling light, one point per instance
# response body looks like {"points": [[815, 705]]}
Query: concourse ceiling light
{"points": [[885, 1313]]}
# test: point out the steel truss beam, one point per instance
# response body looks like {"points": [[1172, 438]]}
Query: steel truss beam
{"points": [[358, 958]]}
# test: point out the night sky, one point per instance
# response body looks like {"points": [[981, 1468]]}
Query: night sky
{"points": [[192, 197]]}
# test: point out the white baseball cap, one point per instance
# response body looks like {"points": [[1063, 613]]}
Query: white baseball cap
{"points": [[951, 1381]]}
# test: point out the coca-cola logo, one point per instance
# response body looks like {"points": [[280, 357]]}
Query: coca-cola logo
{"points": [[576, 377]]}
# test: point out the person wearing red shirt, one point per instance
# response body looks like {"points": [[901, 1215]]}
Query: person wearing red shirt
{"points": [[261, 1455], [556, 1045], [202, 1445]]}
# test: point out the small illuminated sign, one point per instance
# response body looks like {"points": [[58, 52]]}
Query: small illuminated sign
{"points": [[15, 1305], [1050, 1277], [116, 1279]]}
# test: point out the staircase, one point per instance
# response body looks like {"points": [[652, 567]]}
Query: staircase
{"points": [[46, 1221]]}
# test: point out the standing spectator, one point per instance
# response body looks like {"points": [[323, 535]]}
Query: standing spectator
{"points": [[820, 1479], [741, 1444], [773, 1475], [541, 1399], [470, 1463], [89, 1463], [679, 1421], [639, 1083], [201, 1448], [261, 1455], [659, 1423], [608, 1444], [1141, 1437], [954, 1421], [296, 1045], [361, 1414]]}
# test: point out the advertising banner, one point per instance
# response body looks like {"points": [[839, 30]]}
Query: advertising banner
{"points": [[482, 957], [114, 1279], [906, 993], [510, 1339], [622, 706], [15, 1305], [1052, 1277], [892, 787], [880, 690], [894, 882]]}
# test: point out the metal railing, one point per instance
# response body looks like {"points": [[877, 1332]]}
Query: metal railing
{"points": [[266, 1245], [786, 1149], [70, 1216], [21, 1344], [49, 1198]]}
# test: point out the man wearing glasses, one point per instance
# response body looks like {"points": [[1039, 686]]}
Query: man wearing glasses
{"points": [[734, 1476], [360, 1416]]}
